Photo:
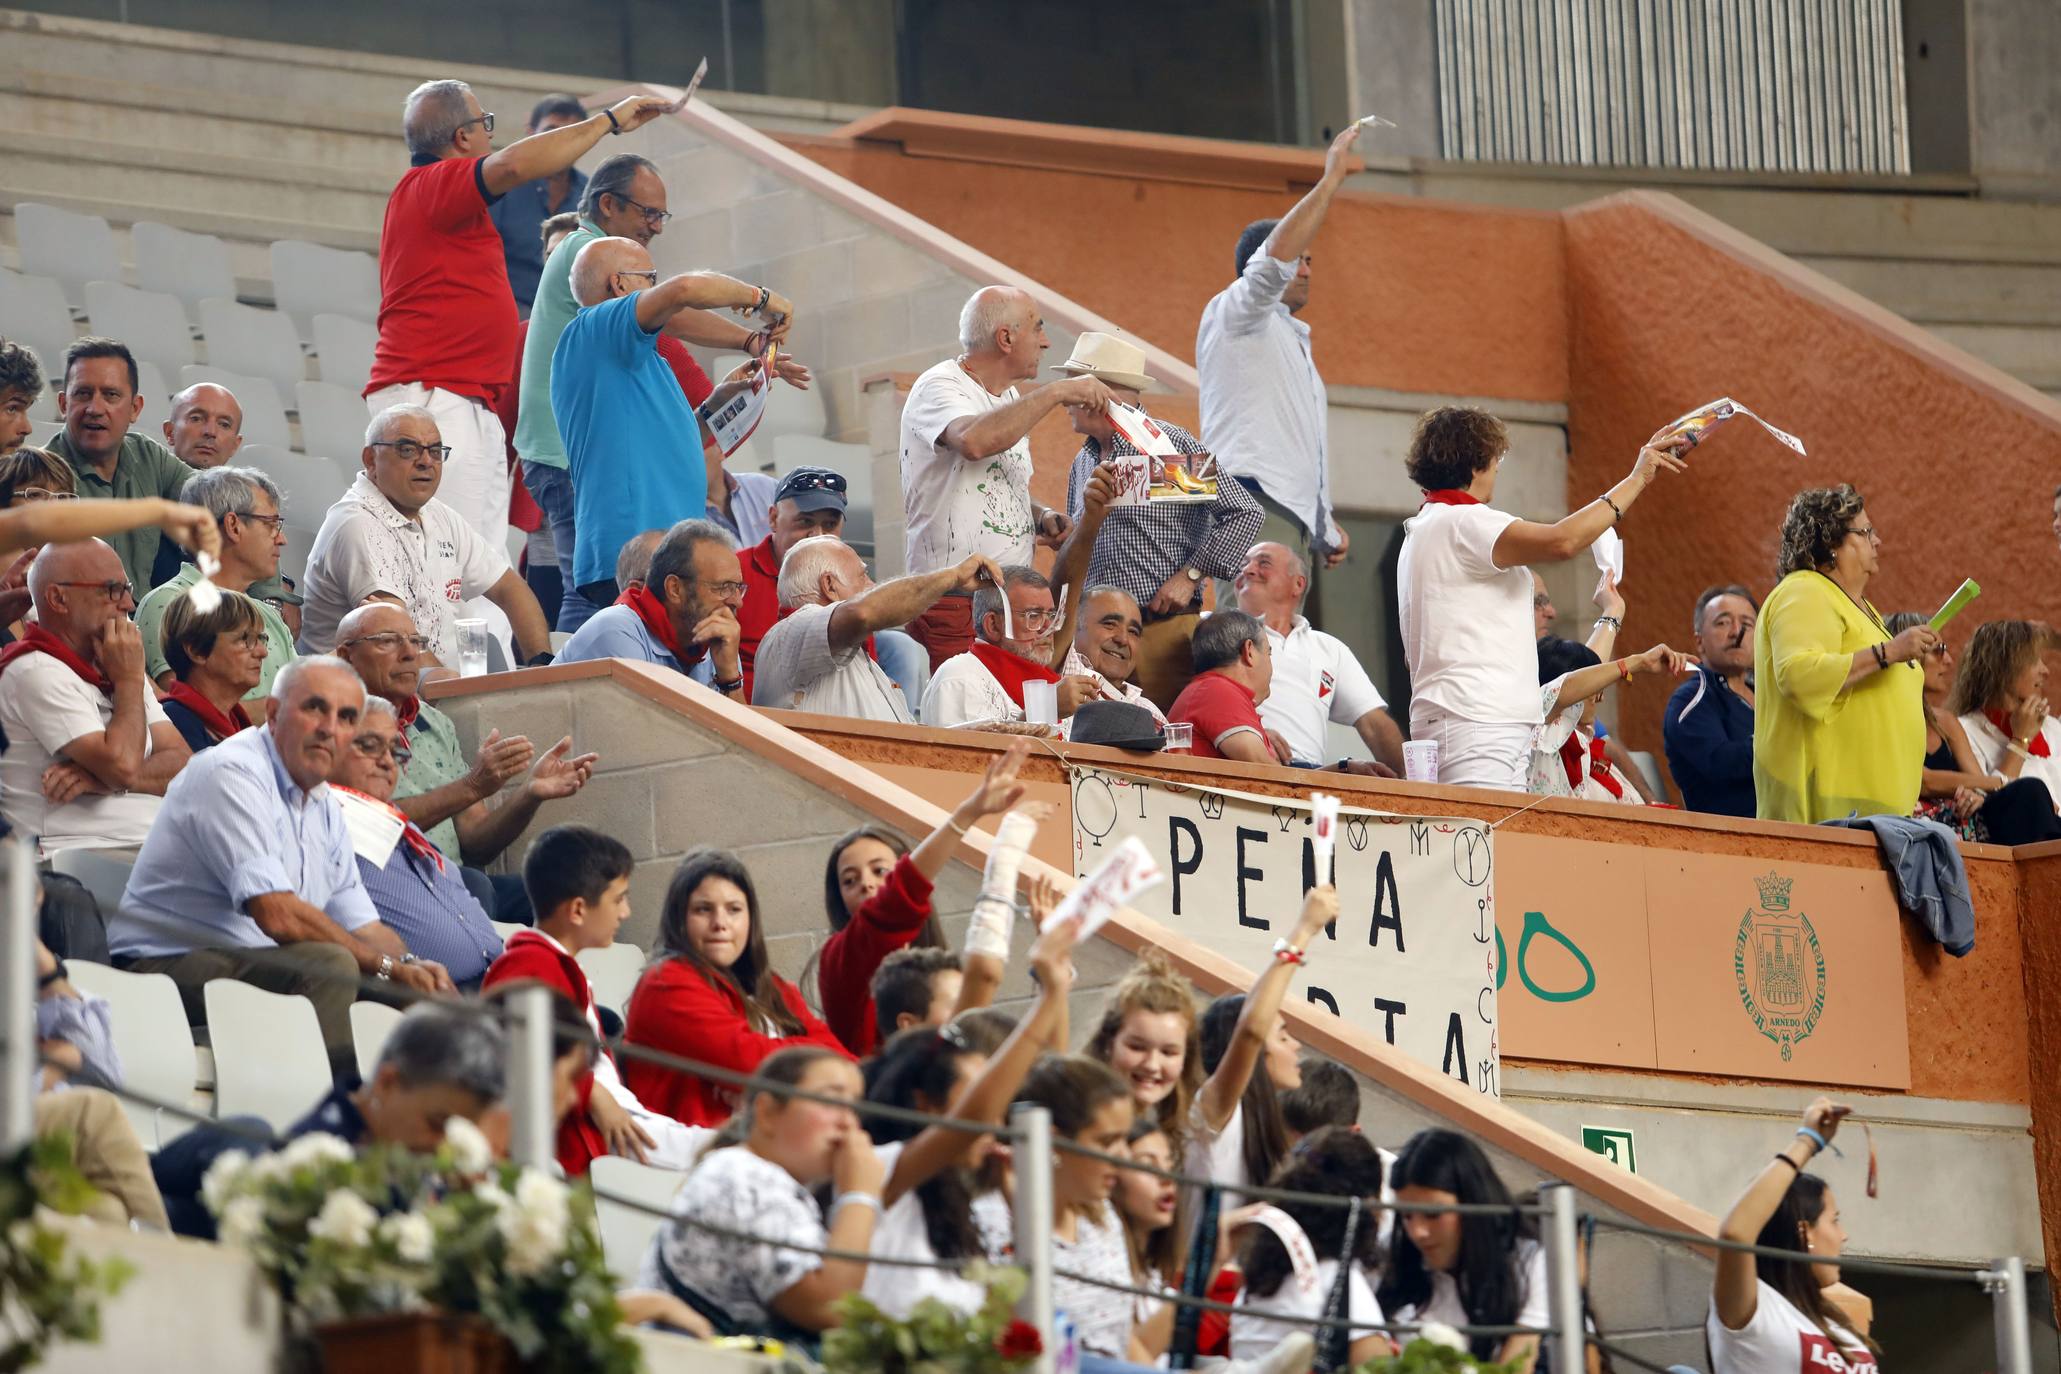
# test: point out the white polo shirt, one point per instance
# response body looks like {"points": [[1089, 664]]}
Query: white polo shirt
{"points": [[1316, 681], [956, 508], [366, 546], [44, 706], [1467, 626]]}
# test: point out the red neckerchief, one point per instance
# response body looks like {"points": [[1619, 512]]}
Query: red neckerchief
{"points": [[37, 640], [406, 710], [411, 833], [1011, 670], [1598, 762], [652, 611], [786, 611], [2037, 748], [1448, 497], [219, 725]]}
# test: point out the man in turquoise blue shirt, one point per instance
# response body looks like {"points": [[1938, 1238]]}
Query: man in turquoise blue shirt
{"points": [[632, 442]]}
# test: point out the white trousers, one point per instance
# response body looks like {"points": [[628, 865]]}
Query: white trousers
{"points": [[1473, 753]]}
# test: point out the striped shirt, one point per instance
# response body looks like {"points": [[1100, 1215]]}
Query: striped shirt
{"points": [[431, 909]]}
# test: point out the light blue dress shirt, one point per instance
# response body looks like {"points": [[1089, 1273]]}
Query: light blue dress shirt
{"points": [[618, 632], [233, 827]]}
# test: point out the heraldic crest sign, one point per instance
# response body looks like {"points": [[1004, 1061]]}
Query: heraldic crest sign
{"points": [[1780, 967]]}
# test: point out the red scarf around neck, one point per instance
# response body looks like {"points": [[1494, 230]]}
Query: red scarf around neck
{"points": [[406, 710], [1011, 670], [219, 724], [1598, 762], [37, 640], [652, 611], [2037, 746], [1448, 497]]}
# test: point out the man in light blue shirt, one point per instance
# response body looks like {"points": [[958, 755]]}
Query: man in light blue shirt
{"points": [[249, 873], [632, 441], [684, 617]]}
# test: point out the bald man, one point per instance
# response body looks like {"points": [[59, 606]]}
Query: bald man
{"points": [[966, 462], [89, 749], [632, 442], [206, 427]]}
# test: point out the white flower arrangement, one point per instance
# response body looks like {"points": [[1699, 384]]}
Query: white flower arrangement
{"points": [[469, 1149]]}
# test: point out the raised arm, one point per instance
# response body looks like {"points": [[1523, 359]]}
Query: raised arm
{"points": [[1070, 568], [1292, 236], [896, 603], [1583, 683], [63, 522], [1735, 1289], [976, 438], [1261, 1012], [1528, 541], [551, 152], [705, 291]]}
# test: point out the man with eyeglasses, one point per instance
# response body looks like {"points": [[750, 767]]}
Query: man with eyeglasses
{"points": [[808, 502], [625, 199], [89, 749], [984, 686], [245, 504], [683, 618], [447, 316], [392, 534], [419, 894], [632, 442]]}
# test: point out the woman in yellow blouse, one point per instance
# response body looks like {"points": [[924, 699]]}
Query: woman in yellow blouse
{"points": [[1839, 723]]}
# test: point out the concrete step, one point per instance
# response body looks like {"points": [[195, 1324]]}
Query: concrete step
{"points": [[1933, 293], [2030, 353]]}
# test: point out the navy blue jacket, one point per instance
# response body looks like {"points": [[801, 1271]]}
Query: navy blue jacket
{"points": [[1708, 731]]}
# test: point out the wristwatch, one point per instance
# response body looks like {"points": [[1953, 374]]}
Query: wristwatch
{"points": [[385, 971], [1194, 574]]}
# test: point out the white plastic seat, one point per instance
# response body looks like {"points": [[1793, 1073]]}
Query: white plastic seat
{"points": [[102, 872], [157, 400], [41, 432], [505, 928], [613, 970], [792, 411], [310, 485], [269, 1059], [333, 421], [309, 280], [626, 1231], [151, 323], [71, 248], [371, 1024], [192, 267], [257, 343], [343, 351], [264, 413], [293, 559], [33, 312], [153, 1040]]}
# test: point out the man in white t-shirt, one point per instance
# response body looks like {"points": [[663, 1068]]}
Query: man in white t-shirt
{"points": [[89, 750], [1464, 594], [816, 657], [390, 534], [966, 462], [1316, 678], [985, 685]]}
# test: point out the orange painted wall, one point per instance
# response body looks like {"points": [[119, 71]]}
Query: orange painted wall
{"points": [[1411, 295], [1664, 318]]}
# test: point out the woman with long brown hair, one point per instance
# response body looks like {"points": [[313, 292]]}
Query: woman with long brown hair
{"points": [[712, 995], [2000, 699]]}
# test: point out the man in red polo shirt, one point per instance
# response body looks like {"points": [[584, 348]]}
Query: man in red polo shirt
{"points": [[447, 321], [808, 502], [1234, 667]]}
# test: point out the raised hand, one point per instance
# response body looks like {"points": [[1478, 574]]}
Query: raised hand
{"points": [[998, 789], [1661, 659], [1609, 600], [192, 527], [1914, 643], [1340, 153], [1654, 460], [121, 649], [499, 762], [640, 110], [559, 773]]}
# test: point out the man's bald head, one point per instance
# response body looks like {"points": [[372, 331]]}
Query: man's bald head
{"points": [[633, 564], [990, 309], [378, 640], [374, 617], [594, 270], [206, 425], [68, 584]]}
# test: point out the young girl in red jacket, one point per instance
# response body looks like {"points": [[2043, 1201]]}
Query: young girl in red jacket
{"points": [[711, 994], [876, 892]]}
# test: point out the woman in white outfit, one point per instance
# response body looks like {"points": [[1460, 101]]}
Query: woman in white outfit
{"points": [[1465, 593]]}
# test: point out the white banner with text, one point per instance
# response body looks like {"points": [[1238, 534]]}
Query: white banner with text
{"points": [[1412, 956]]}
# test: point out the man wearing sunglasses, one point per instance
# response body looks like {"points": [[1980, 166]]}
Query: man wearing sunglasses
{"points": [[245, 504], [447, 317]]}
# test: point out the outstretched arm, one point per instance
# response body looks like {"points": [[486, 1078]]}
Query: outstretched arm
{"points": [[898, 602], [64, 522], [1291, 237], [1262, 1009], [1735, 1289], [551, 152]]}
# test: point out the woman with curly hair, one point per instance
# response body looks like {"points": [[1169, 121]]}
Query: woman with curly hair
{"points": [[1839, 716], [1464, 592], [2000, 699]]}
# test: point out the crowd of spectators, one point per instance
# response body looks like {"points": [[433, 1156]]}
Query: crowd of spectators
{"points": [[301, 819]]}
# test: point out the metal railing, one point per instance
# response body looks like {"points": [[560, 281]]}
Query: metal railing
{"points": [[529, 1015], [1734, 85]]}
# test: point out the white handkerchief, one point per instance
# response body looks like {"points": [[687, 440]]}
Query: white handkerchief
{"points": [[1609, 552], [1122, 876], [375, 826], [204, 594]]}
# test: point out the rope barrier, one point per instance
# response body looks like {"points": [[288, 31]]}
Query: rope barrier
{"points": [[1854, 1262]]}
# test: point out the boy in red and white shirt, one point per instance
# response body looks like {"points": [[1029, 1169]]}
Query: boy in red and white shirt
{"points": [[579, 885]]}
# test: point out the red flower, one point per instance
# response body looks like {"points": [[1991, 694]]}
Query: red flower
{"points": [[1019, 1341]]}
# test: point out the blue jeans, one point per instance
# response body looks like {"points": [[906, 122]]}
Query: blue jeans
{"points": [[552, 490], [906, 663]]}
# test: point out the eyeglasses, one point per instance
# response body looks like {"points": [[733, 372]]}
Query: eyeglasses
{"points": [[627, 273], [408, 451], [277, 522], [1037, 620], [726, 589], [485, 121], [387, 641], [114, 591], [44, 494], [1867, 532], [373, 747], [252, 642], [651, 216]]}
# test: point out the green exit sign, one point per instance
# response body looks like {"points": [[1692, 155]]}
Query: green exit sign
{"points": [[1613, 1145]]}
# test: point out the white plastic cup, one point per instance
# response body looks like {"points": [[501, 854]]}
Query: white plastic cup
{"points": [[472, 648], [1420, 760], [1180, 737], [1041, 703]]}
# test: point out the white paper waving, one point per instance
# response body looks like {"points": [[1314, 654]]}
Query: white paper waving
{"points": [[1700, 421], [1324, 835], [734, 411], [1609, 553], [1128, 871], [1374, 121], [1133, 480], [1143, 431], [374, 826], [204, 594], [693, 85]]}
